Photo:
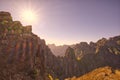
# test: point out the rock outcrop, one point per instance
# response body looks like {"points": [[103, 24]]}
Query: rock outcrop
{"points": [[5, 16], [83, 58], [83, 49], [103, 73], [102, 53], [21, 51]]}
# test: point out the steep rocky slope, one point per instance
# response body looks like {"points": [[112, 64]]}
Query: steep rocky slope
{"points": [[21, 51], [94, 55], [83, 58]]}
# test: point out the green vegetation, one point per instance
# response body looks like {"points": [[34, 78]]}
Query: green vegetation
{"points": [[4, 22], [9, 28], [34, 73]]}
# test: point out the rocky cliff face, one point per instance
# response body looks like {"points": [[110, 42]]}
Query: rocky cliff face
{"points": [[24, 56], [21, 51], [94, 55], [5, 16], [83, 58], [83, 49]]}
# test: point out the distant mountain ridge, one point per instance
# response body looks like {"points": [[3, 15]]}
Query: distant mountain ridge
{"points": [[83, 57], [58, 50], [82, 47]]}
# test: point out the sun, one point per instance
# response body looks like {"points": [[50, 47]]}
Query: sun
{"points": [[29, 17]]}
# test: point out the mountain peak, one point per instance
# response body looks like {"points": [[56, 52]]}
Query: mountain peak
{"points": [[70, 53], [10, 27], [5, 16], [21, 51]]}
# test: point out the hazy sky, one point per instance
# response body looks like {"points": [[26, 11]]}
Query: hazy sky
{"points": [[69, 21]]}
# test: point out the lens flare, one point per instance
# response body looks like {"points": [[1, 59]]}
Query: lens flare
{"points": [[29, 16]]}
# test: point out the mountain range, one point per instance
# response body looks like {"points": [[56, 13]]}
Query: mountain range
{"points": [[25, 56]]}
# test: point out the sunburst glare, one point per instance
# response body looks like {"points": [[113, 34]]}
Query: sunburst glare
{"points": [[29, 16]]}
